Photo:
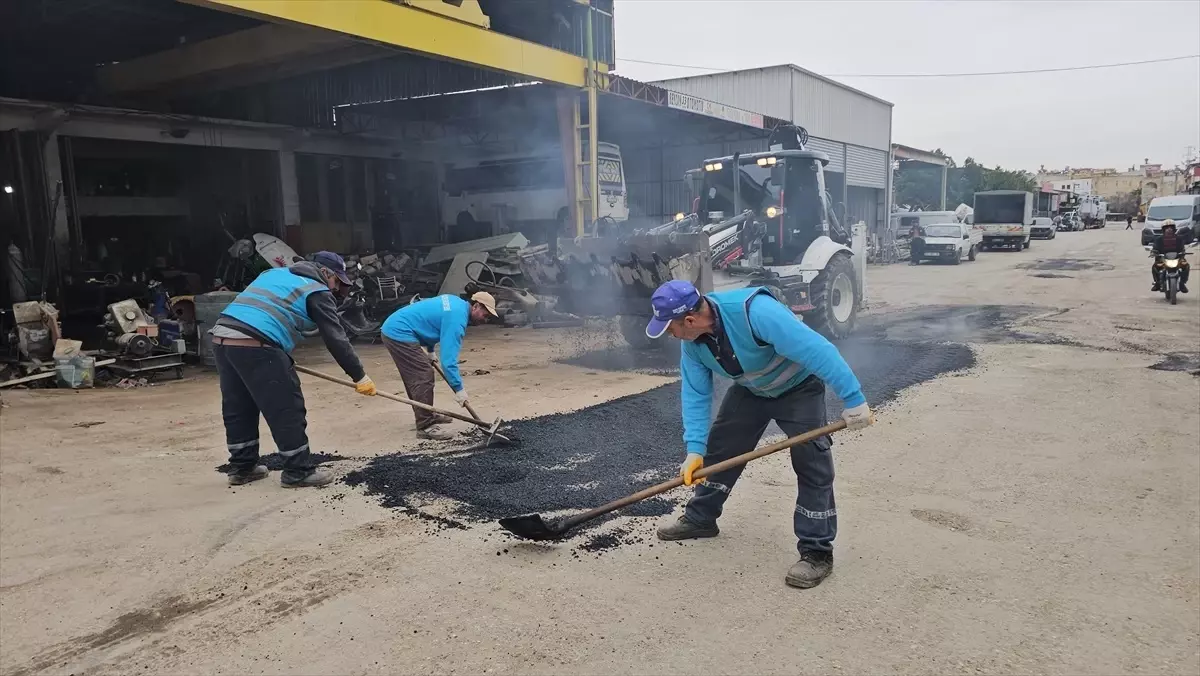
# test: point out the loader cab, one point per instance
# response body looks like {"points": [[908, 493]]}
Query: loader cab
{"points": [[785, 189]]}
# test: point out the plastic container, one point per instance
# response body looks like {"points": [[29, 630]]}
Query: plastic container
{"points": [[75, 372], [208, 309]]}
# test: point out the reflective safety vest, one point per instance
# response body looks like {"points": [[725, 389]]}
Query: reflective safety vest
{"points": [[276, 305], [764, 372]]}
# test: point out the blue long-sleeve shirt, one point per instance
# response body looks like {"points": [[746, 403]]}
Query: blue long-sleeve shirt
{"points": [[774, 324], [430, 322]]}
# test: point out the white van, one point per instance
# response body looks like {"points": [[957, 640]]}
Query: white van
{"points": [[1183, 209], [527, 189]]}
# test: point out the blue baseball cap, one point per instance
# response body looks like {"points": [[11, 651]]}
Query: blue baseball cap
{"points": [[328, 259], [671, 301]]}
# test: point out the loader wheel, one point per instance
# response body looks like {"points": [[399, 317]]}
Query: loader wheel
{"points": [[835, 296], [633, 329]]}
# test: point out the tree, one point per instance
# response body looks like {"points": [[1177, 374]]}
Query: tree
{"points": [[919, 186]]}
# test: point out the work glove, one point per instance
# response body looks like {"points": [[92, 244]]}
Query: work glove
{"points": [[691, 463], [858, 417], [461, 397], [365, 386]]}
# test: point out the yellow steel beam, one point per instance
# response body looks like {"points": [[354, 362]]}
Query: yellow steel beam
{"points": [[403, 26]]}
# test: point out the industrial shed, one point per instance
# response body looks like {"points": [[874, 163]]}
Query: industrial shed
{"points": [[854, 128]]}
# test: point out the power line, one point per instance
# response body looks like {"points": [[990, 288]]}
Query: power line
{"points": [[929, 75]]}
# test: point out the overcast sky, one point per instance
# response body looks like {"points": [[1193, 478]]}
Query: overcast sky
{"points": [[1113, 117]]}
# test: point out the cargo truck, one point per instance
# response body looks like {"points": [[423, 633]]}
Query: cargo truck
{"points": [[1005, 217]]}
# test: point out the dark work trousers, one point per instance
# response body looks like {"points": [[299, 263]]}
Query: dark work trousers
{"points": [[740, 423], [412, 361], [258, 380], [916, 249]]}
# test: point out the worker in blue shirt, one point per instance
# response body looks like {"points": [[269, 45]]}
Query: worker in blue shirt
{"points": [[780, 368], [410, 335], [252, 344]]}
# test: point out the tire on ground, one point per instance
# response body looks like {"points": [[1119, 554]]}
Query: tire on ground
{"points": [[825, 298]]}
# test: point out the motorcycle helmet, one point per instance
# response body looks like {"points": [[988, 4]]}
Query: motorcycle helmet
{"points": [[1169, 223]]}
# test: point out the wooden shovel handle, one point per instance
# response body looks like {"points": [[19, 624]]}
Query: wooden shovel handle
{"points": [[703, 472], [438, 367], [388, 395]]}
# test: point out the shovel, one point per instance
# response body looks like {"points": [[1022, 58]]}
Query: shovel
{"points": [[489, 428], [534, 527]]}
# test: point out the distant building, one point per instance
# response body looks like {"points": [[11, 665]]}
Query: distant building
{"points": [[1151, 179]]}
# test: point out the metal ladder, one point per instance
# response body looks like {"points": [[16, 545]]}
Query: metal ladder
{"points": [[586, 207]]}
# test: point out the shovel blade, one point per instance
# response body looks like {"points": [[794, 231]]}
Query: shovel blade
{"points": [[531, 527]]}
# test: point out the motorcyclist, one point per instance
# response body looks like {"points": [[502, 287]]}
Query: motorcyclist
{"points": [[1169, 242]]}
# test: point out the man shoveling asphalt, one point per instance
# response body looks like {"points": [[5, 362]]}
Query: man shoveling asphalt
{"points": [[425, 324], [252, 344], [779, 367]]}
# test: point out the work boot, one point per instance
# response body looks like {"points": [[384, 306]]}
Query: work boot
{"points": [[242, 477], [1156, 287], [686, 530], [1182, 287], [434, 432], [812, 567], [315, 479]]}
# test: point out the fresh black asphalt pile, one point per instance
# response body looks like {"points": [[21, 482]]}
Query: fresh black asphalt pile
{"points": [[575, 461]]}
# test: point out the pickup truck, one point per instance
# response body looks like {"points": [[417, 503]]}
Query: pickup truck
{"points": [[948, 242], [1005, 218]]}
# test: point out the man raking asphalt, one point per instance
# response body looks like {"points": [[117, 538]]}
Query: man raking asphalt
{"points": [[252, 344], [410, 335]]}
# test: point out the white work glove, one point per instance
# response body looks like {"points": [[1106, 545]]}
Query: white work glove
{"points": [[858, 417], [461, 397], [692, 463]]}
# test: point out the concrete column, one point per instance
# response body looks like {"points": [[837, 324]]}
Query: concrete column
{"points": [[289, 192], [945, 170], [59, 223]]}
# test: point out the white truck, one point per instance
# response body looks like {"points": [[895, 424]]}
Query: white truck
{"points": [[1093, 211], [948, 243], [1005, 217]]}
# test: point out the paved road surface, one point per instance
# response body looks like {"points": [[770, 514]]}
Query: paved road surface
{"points": [[1036, 513]]}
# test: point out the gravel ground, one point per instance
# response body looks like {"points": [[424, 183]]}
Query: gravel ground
{"points": [[1034, 511]]}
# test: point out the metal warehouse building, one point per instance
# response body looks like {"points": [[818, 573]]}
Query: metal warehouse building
{"points": [[851, 126], [141, 133]]}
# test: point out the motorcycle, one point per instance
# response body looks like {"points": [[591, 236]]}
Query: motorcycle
{"points": [[1168, 266]]}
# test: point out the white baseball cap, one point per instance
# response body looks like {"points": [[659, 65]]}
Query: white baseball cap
{"points": [[487, 300]]}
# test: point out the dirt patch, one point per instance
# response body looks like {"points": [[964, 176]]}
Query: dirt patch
{"points": [[1179, 361], [661, 361], [574, 461], [986, 324], [131, 625], [943, 519], [1051, 275], [274, 461], [1069, 264]]}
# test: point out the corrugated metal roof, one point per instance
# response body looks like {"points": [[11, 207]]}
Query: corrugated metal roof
{"points": [[826, 108]]}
